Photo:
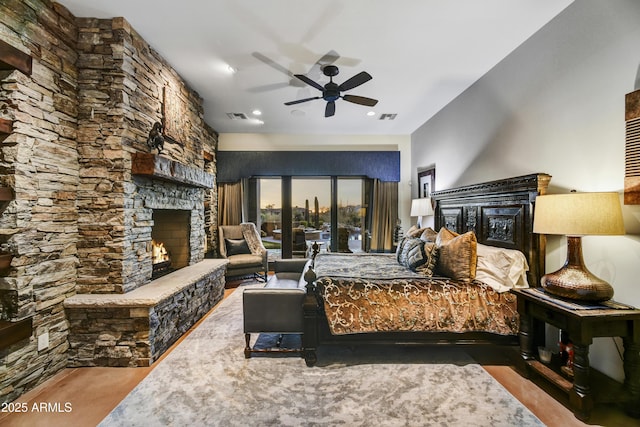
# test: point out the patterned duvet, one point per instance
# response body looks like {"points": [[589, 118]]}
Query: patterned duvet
{"points": [[373, 293]]}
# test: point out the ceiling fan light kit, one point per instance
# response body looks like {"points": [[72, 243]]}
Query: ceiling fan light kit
{"points": [[331, 91]]}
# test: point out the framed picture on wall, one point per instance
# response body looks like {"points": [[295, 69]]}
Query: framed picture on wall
{"points": [[426, 182]]}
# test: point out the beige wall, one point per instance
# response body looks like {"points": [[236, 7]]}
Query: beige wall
{"points": [[555, 105]]}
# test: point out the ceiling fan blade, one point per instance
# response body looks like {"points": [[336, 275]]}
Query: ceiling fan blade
{"points": [[360, 100], [355, 81], [327, 59], [308, 81], [266, 88], [271, 63], [330, 110], [298, 101]]}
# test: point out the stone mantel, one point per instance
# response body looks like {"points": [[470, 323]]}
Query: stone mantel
{"points": [[150, 294], [155, 166]]}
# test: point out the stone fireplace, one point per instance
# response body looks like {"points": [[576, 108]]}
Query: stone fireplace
{"points": [[143, 315], [79, 189], [130, 196], [168, 209], [128, 317]]}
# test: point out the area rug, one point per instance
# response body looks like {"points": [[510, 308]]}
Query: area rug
{"points": [[206, 381]]}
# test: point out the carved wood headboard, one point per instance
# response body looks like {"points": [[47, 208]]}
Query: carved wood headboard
{"points": [[500, 213]]}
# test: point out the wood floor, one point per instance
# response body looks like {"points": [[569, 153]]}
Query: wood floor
{"points": [[91, 393]]}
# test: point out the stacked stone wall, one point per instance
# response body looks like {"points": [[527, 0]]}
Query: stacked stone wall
{"points": [[39, 162], [77, 216], [101, 200], [122, 92]]}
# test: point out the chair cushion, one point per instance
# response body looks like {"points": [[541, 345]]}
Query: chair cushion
{"points": [[245, 260], [285, 275], [236, 246], [283, 281]]}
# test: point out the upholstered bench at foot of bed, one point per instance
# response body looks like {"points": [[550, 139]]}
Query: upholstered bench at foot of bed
{"points": [[276, 308]]}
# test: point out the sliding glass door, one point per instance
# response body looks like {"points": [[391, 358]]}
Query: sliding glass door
{"points": [[269, 196], [352, 211], [296, 212], [311, 214]]}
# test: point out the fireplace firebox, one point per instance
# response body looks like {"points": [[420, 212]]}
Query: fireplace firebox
{"points": [[170, 240]]}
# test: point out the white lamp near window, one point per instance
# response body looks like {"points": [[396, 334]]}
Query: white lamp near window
{"points": [[420, 208]]}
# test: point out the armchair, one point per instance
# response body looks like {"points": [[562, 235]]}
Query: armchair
{"points": [[299, 242], [343, 240], [242, 246]]}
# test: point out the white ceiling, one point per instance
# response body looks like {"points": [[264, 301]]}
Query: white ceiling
{"points": [[421, 54]]}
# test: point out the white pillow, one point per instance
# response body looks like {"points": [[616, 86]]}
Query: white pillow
{"points": [[502, 269]]}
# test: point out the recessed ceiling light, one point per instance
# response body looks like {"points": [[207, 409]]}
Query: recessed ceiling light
{"points": [[388, 116], [223, 68], [371, 113], [256, 112], [298, 113], [237, 116]]}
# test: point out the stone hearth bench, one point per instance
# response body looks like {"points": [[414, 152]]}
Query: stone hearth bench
{"points": [[136, 328]]}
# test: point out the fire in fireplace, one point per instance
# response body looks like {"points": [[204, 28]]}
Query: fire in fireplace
{"points": [[159, 252], [170, 240], [160, 258]]}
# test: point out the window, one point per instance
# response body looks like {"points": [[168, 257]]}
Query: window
{"points": [[310, 214], [351, 215], [306, 210], [270, 222]]}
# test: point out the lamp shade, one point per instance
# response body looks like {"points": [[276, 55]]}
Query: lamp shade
{"points": [[421, 207], [579, 214]]}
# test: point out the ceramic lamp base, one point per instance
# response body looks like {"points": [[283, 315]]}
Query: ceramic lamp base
{"points": [[578, 284], [573, 280]]}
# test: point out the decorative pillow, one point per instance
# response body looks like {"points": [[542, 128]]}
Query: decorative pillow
{"points": [[399, 250], [236, 246], [403, 250], [414, 231], [457, 255], [502, 269], [444, 235], [429, 235], [431, 252], [413, 253], [416, 256], [411, 231]]}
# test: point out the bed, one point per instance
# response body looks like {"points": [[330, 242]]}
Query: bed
{"points": [[431, 294]]}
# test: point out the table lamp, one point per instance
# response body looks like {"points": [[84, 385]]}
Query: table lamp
{"points": [[575, 215], [421, 207]]}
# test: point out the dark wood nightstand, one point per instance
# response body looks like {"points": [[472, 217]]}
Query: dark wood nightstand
{"points": [[582, 323]]}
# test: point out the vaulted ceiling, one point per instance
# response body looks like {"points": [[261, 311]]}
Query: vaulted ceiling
{"points": [[241, 55]]}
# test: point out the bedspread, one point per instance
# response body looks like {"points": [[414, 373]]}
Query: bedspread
{"points": [[373, 293]]}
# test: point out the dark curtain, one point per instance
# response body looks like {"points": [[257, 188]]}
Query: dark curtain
{"points": [[230, 203], [384, 215]]}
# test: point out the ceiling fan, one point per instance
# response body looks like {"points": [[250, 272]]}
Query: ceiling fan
{"points": [[331, 91]]}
